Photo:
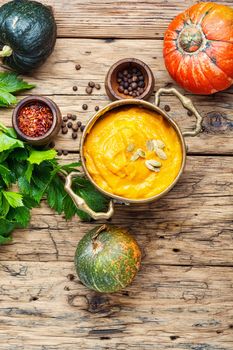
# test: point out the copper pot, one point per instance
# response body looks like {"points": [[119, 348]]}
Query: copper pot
{"points": [[187, 103]]}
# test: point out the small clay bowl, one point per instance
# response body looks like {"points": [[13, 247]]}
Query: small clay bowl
{"points": [[51, 133], [111, 84]]}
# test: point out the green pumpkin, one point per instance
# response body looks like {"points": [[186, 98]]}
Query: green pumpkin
{"points": [[27, 35], [107, 259]]}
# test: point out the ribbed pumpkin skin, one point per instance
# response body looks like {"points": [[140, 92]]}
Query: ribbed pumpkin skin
{"points": [[108, 262], [29, 28], [198, 48]]}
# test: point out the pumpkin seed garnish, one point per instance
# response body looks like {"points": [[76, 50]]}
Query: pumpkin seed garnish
{"points": [[137, 154], [150, 145], [153, 144], [153, 165], [160, 144], [160, 153], [130, 147]]}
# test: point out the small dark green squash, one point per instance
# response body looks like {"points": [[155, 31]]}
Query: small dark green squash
{"points": [[107, 259], [27, 35]]}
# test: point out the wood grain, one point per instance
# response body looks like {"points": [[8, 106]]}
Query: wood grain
{"points": [[167, 307], [182, 298], [192, 225], [57, 77], [116, 19]]}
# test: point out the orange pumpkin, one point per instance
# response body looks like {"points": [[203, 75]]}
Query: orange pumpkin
{"points": [[198, 48]]}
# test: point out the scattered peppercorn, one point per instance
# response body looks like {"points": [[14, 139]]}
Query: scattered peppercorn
{"points": [[91, 84], [63, 124], [35, 119], [69, 115], [97, 108], [75, 128], [69, 125], [59, 152], [74, 117], [89, 90], [167, 108], [65, 152], [77, 67], [75, 88], [97, 86], [79, 124], [82, 127], [74, 135], [64, 130], [65, 119], [190, 113], [84, 106]]}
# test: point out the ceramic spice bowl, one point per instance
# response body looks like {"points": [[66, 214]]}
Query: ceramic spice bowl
{"points": [[128, 65], [42, 107]]}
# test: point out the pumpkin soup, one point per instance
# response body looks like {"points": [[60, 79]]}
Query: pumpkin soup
{"points": [[133, 152]]}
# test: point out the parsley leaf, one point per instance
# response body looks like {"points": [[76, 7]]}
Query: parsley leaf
{"points": [[11, 83], [8, 143], [37, 157], [13, 198]]}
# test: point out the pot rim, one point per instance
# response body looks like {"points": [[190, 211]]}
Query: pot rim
{"points": [[148, 105]]}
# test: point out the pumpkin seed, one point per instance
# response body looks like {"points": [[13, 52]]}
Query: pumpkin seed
{"points": [[153, 144], [160, 144], [137, 154], [141, 153], [130, 147], [153, 165], [160, 153], [150, 145]]}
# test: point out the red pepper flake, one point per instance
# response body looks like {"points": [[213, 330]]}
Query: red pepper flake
{"points": [[35, 120]]}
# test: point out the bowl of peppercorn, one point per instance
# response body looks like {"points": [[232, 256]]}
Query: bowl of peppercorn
{"points": [[129, 78], [36, 120]]}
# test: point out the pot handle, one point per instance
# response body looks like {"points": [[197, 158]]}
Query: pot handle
{"points": [[81, 204], [187, 103]]}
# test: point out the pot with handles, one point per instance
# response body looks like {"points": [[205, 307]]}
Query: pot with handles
{"points": [[186, 102]]}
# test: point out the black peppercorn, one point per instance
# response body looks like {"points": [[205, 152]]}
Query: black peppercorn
{"points": [[89, 90], [84, 106], [69, 125], [97, 108], [64, 130], [77, 67], [91, 84], [74, 135], [75, 88]]}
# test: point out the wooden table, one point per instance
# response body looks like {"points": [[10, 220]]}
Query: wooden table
{"points": [[183, 296]]}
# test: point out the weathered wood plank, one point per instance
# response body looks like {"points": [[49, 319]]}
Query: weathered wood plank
{"points": [[192, 225], [42, 307], [58, 76], [116, 19]]}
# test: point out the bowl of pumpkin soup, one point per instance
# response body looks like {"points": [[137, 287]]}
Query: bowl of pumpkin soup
{"points": [[133, 152]]}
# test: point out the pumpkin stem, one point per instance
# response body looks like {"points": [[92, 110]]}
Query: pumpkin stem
{"points": [[190, 39], [6, 51], [100, 229]]}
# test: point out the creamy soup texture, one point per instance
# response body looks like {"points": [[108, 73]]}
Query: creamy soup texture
{"points": [[109, 161]]}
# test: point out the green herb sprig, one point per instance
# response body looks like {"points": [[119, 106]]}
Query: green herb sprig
{"points": [[37, 175], [10, 84]]}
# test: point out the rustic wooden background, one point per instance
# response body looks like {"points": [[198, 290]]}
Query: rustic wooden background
{"points": [[182, 298]]}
